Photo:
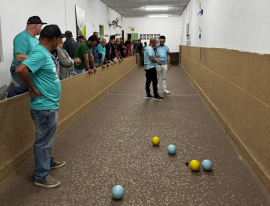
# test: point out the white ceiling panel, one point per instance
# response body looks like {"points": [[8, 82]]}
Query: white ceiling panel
{"points": [[136, 8]]}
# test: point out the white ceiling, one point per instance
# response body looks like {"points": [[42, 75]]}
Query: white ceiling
{"points": [[135, 8]]}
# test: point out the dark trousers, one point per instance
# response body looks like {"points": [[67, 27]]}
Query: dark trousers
{"points": [[151, 76]]}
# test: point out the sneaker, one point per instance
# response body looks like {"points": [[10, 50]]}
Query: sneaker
{"points": [[165, 91], [57, 164], [49, 182], [158, 98], [149, 96]]}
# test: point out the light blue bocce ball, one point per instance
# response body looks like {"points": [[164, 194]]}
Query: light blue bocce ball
{"points": [[171, 149], [207, 165], [117, 192]]}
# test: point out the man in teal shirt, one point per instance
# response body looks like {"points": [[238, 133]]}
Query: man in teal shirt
{"points": [[39, 73], [150, 70], [23, 44], [101, 50], [163, 54]]}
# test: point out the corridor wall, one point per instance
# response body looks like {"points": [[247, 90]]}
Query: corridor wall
{"points": [[236, 87]]}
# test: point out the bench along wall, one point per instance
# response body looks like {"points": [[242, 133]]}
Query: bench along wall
{"points": [[79, 94], [236, 86]]}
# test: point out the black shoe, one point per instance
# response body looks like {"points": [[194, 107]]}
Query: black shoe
{"points": [[149, 96], [57, 164], [158, 98]]}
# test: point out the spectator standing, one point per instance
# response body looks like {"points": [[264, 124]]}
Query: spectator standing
{"points": [[145, 45], [128, 40], [96, 33], [65, 62], [128, 48], [70, 45], [122, 48], [38, 72], [110, 54], [23, 45], [84, 52], [140, 47], [80, 39], [101, 50], [117, 50]]}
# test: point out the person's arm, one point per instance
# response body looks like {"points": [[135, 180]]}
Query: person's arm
{"points": [[21, 57], [106, 62], [23, 73], [116, 54], [155, 61], [169, 61], [134, 51], [87, 66], [93, 62], [100, 60], [152, 57], [112, 57], [107, 55]]}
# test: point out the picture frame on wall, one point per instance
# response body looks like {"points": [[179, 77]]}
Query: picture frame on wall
{"points": [[80, 22]]}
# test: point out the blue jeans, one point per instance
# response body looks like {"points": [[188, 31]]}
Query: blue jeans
{"points": [[20, 90], [78, 71], [45, 122]]}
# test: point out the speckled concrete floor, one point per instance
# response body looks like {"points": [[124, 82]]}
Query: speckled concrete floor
{"points": [[111, 145]]}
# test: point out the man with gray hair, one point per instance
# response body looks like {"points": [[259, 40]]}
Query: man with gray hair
{"points": [[150, 70], [101, 50]]}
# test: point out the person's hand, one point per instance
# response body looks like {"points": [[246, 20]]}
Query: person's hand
{"points": [[160, 63], [33, 93], [169, 66], [115, 62], [119, 60], [112, 63], [103, 66], [96, 65], [77, 61], [157, 56], [95, 69], [108, 64], [122, 59], [90, 71]]}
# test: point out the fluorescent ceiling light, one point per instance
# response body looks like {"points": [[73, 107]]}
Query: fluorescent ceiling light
{"points": [[152, 16], [155, 8]]}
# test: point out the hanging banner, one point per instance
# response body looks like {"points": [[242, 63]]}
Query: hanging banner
{"points": [[80, 21]]}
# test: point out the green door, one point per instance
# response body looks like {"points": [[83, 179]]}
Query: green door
{"points": [[134, 36], [101, 31]]}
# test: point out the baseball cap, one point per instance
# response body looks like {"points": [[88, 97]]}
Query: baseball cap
{"points": [[51, 31], [35, 20]]}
